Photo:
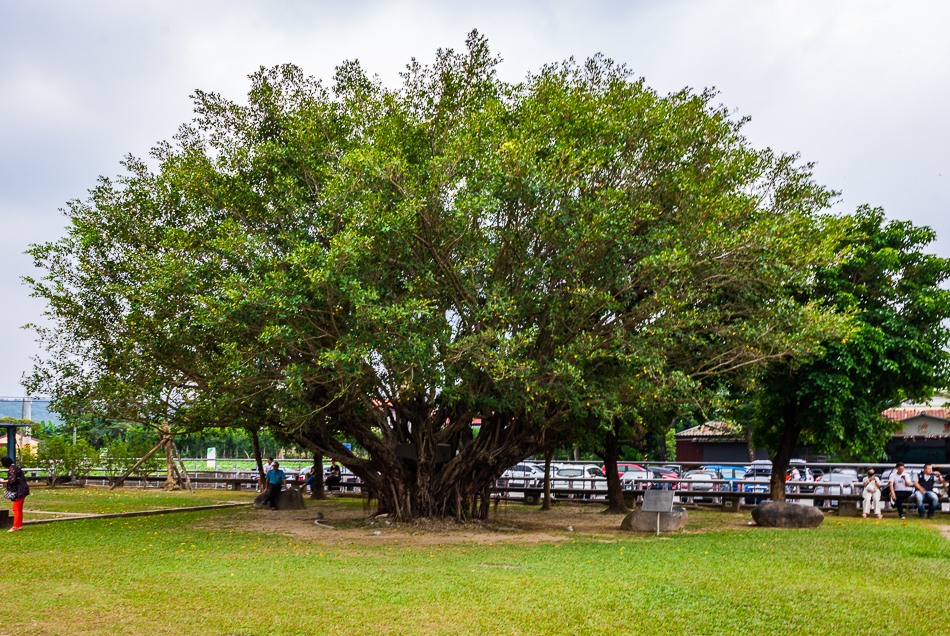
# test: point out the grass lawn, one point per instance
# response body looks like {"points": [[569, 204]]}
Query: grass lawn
{"points": [[206, 573], [96, 500]]}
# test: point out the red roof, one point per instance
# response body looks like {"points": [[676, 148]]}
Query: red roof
{"points": [[901, 414], [713, 429]]}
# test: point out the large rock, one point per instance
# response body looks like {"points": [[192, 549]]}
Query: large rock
{"points": [[287, 500], [639, 521], [779, 514]]}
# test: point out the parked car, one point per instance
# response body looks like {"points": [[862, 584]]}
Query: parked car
{"points": [[732, 473], [845, 471], [805, 475], [630, 474], [581, 477], [522, 476], [673, 468], [834, 484], [759, 471], [662, 472], [699, 486]]}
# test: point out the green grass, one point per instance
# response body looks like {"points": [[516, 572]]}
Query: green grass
{"points": [[93, 500], [204, 574]]}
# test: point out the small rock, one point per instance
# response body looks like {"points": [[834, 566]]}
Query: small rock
{"points": [[377, 532], [570, 528]]}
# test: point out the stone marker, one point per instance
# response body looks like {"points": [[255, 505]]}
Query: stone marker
{"points": [[779, 514], [640, 521], [286, 500]]}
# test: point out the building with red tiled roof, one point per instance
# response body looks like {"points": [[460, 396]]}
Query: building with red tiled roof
{"points": [[923, 435], [715, 442]]}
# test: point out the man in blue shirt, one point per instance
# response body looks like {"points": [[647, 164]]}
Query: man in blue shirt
{"points": [[276, 480]]}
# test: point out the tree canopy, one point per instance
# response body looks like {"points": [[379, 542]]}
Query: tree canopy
{"points": [[392, 265], [896, 348]]}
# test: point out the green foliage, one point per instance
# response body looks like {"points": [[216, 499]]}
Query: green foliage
{"points": [[896, 349], [119, 457], [13, 420], [60, 457], [26, 458], [569, 249]]}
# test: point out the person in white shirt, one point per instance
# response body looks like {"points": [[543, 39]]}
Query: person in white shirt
{"points": [[794, 475], [871, 493], [262, 478], [901, 488]]}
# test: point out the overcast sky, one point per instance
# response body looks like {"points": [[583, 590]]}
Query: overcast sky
{"points": [[860, 88]]}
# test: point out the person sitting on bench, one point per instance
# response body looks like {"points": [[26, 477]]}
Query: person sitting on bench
{"points": [[276, 480], [901, 488], [312, 475], [871, 494], [333, 479], [925, 490]]}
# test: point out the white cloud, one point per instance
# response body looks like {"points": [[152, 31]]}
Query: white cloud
{"points": [[858, 87]]}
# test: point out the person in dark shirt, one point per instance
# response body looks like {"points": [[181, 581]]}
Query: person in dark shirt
{"points": [[924, 485], [333, 479], [19, 489]]}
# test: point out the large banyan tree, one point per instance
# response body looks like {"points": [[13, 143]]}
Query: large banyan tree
{"points": [[443, 273]]}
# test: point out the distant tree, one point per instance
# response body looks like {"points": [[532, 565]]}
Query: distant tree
{"points": [[896, 349]]}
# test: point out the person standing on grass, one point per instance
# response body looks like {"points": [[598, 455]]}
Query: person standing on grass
{"points": [[17, 490], [924, 484], [901, 488], [871, 493], [276, 480]]}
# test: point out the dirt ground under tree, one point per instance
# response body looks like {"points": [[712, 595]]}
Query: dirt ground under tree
{"points": [[346, 521]]}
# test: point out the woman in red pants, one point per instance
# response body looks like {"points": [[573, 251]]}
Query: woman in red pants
{"points": [[17, 490]]}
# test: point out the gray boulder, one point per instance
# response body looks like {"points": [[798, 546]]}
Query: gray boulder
{"points": [[287, 500], [639, 521], [779, 514]]}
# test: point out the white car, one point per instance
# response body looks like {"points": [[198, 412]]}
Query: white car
{"points": [[522, 475], [630, 474], [579, 477], [834, 484], [699, 486]]}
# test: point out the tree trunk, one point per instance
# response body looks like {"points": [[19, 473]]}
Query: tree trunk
{"points": [[318, 491], [256, 441], [783, 454], [184, 471], [664, 453], [750, 449], [172, 478], [615, 502], [118, 482], [548, 456]]}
